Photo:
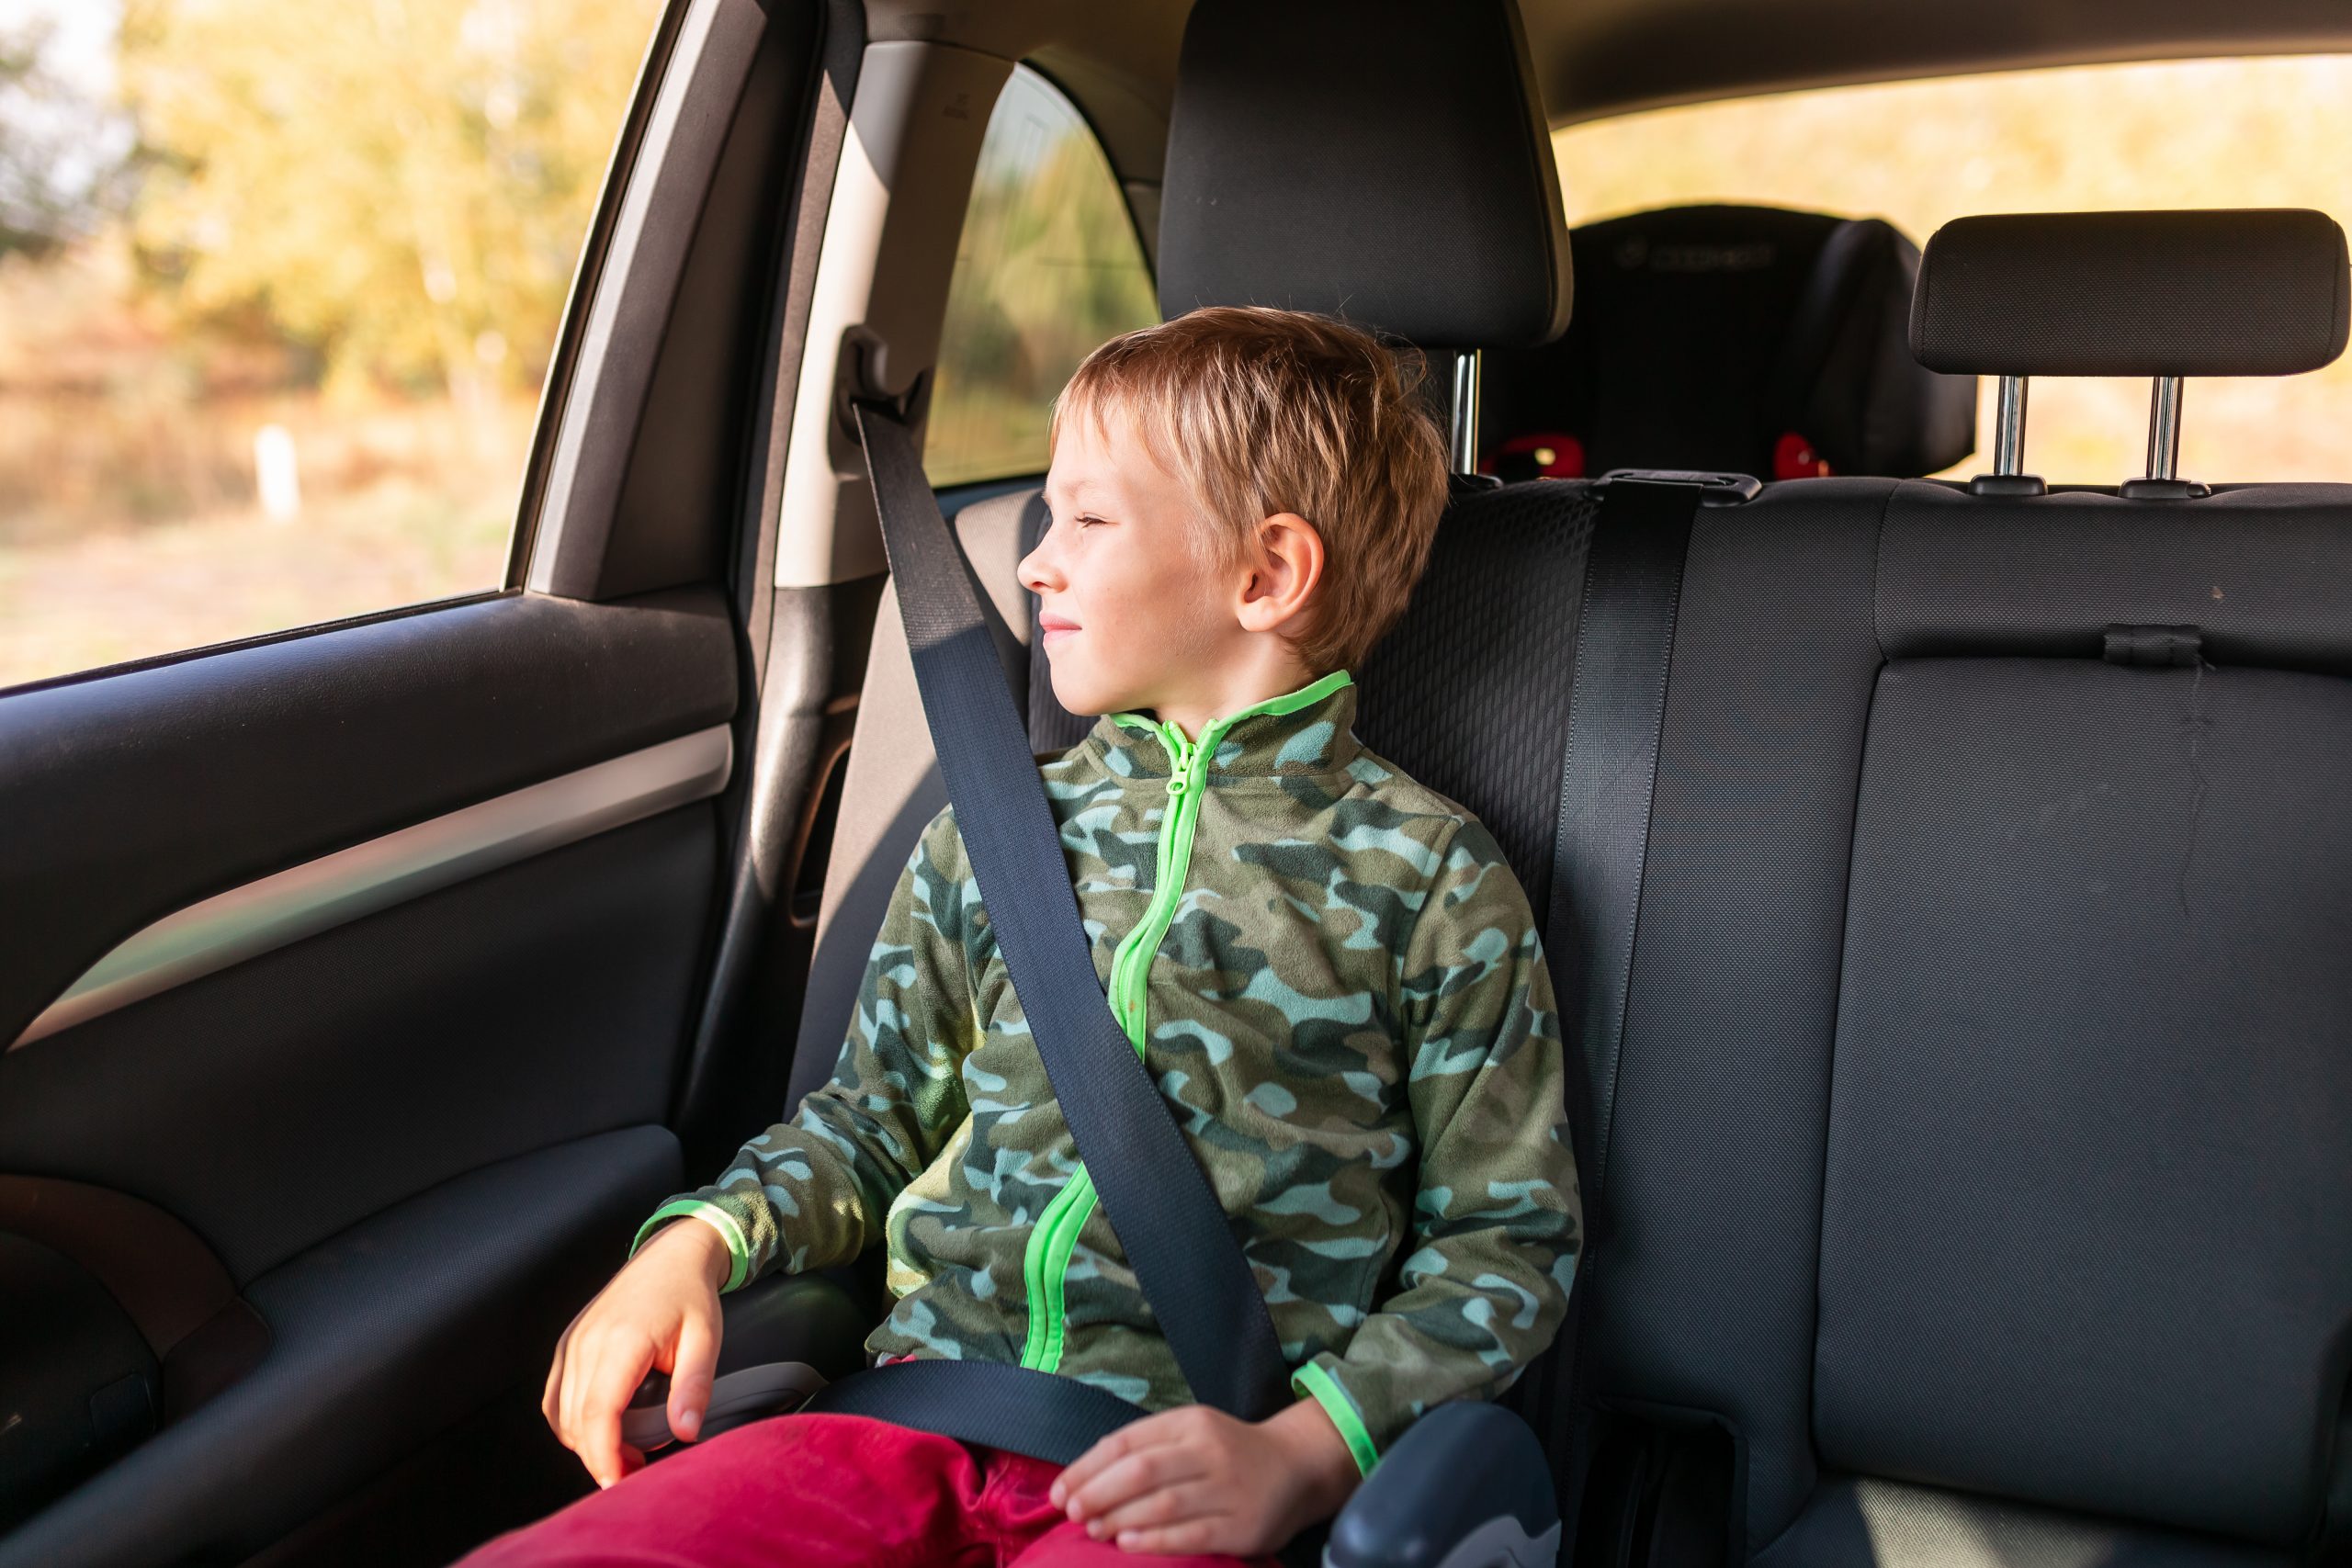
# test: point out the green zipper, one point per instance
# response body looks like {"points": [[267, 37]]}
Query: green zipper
{"points": [[1045, 1263]]}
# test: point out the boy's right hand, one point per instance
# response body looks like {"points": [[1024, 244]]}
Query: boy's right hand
{"points": [[659, 1313]]}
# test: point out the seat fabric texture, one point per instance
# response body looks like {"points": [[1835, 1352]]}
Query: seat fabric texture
{"points": [[1981, 1158], [1986, 1060], [1985, 1120], [1747, 339]]}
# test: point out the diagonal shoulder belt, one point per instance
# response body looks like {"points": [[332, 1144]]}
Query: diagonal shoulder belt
{"points": [[1159, 1201]]}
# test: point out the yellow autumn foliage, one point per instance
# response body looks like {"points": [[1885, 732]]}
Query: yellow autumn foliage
{"points": [[399, 185]]}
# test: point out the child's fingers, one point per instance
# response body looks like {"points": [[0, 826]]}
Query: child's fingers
{"points": [[599, 1446], [612, 1378], [1191, 1538], [1088, 1465], [1158, 1508], [1136, 1435], [578, 1365], [691, 1371], [1141, 1473], [551, 1399]]}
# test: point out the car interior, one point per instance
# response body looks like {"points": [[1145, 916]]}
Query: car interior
{"points": [[1945, 879]]}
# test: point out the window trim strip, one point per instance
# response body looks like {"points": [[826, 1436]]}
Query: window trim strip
{"points": [[318, 894]]}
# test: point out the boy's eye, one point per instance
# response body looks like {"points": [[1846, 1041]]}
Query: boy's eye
{"points": [[1088, 520]]}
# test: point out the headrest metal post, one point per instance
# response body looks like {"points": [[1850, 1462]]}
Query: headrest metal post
{"points": [[2164, 429], [2009, 435], [1462, 436]]}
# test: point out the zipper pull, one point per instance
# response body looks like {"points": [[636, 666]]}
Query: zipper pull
{"points": [[1180, 756]]}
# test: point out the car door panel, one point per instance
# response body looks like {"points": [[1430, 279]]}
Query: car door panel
{"points": [[121, 1319], [351, 972], [386, 1077], [284, 1098], [383, 1336], [132, 797]]}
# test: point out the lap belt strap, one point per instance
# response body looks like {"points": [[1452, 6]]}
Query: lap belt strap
{"points": [[1168, 1221], [1043, 1415]]}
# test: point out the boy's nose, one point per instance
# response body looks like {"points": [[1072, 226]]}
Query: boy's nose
{"points": [[1038, 572]]}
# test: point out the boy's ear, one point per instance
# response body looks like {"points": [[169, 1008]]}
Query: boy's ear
{"points": [[1285, 566]]}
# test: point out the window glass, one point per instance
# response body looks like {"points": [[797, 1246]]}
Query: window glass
{"points": [[278, 284], [1047, 268], [2240, 132]]}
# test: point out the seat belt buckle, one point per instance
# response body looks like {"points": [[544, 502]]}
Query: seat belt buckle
{"points": [[1716, 488]]}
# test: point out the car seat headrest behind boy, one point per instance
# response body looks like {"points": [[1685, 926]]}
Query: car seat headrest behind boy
{"points": [[2256, 291], [1383, 160], [1747, 339]]}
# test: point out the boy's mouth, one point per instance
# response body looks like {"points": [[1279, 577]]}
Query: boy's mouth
{"points": [[1050, 626]]}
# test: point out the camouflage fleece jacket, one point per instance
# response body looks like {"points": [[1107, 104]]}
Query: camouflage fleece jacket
{"points": [[1335, 979]]}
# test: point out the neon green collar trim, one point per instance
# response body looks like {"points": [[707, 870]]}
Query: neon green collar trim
{"points": [[1268, 750]]}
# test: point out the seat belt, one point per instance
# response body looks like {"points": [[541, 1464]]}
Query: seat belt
{"points": [[1624, 650], [1170, 1223], [1617, 685]]}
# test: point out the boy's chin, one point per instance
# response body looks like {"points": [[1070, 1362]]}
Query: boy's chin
{"points": [[1088, 698]]}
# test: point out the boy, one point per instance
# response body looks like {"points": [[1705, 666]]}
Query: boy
{"points": [[1334, 976]]}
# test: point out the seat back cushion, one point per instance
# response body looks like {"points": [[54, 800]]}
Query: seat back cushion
{"points": [[1985, 1119], [2087, 1233]]}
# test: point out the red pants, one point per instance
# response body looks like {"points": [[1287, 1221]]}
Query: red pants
{"points": [[823, 1489]]}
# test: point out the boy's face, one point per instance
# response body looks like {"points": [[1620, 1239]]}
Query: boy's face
{"points": [[1129, 614]]}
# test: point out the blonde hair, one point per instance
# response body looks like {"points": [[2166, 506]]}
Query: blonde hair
{"points": [[1258, 411]]}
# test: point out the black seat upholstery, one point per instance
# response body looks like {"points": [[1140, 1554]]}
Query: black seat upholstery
{"points": [[1985, 1057], [1980, 1185], [1981, 1166], [1747, 339]]}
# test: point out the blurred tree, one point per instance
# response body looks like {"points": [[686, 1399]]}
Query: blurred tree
{"points": [[399, 185], [1047, 267], [58, 173]]}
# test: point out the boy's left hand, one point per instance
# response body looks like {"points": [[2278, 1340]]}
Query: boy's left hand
{"points": [[1196, 1480]]}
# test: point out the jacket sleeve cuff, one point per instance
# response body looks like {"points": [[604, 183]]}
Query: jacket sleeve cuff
{"points": [[739, 1248], [1315, 1380]]}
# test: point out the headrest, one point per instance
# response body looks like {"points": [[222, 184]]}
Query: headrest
{"points": [[2252, 292], [1747, 339], [1383, 161]]}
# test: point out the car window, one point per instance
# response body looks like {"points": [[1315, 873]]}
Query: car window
{"points": [[1047, 268], [279, 284], [2238, 132]]}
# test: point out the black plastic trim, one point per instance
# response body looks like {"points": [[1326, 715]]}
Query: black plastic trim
{"points": [[385, 1336], [134, 795], [555, 389]]}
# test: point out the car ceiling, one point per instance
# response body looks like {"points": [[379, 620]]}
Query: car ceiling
{"points": [[1604, 56]]}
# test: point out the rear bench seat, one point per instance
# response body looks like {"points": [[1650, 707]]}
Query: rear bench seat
{"points": [[1979, 1188], [1745, 339]]}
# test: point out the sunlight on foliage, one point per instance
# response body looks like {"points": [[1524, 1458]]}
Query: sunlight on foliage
{"points": [[399, 186], [1048, 267], [352, 226], [2260, 133]]}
